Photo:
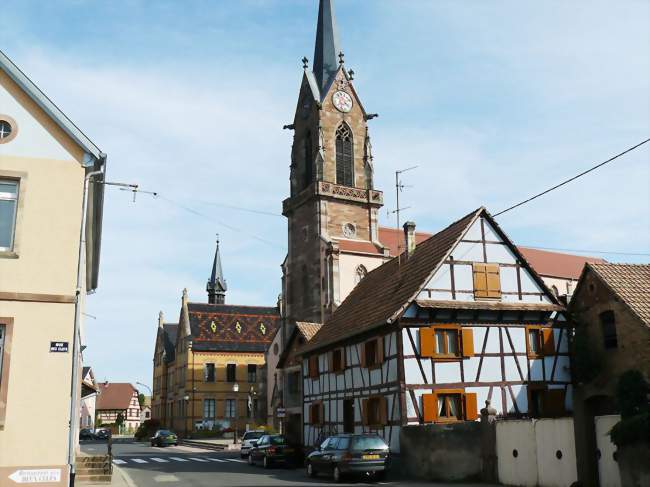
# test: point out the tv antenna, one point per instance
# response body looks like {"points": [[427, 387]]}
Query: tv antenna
{"points": [[399, 187]]}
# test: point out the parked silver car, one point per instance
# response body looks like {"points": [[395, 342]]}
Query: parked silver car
{"points": [[248, 439]]}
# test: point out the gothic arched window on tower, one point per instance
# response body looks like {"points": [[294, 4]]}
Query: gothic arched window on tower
{"points": [[344, 156], [360, 274], [309, 161]]}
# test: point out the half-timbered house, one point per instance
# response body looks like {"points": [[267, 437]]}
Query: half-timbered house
{"points": [[456, 320]]}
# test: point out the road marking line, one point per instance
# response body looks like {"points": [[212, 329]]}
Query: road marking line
{"points": [[117, 461], [138, 460], [178, 459], [159, 460], [198, 459], [235, 460], [217, 460]]}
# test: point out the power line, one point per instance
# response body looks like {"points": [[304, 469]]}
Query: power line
{"points": [[572, 179]]}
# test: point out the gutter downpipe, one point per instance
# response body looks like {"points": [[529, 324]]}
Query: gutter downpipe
{"points": [[74, 386]]}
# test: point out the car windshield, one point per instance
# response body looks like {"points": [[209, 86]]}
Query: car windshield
{"points": [[361, 443], [253, 435], [277, 440], [164, 432]]}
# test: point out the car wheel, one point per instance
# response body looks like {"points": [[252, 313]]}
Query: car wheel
{"points": [[153, 444], [337, 474], [266, 462], [250, 459], [311, 472]]}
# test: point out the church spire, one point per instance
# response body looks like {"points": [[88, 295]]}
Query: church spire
{"points": [[326, 60], [216, 286]]}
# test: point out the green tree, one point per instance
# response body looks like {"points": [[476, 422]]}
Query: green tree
{"points": [[119, 421], [141, 399], [632, 393]]}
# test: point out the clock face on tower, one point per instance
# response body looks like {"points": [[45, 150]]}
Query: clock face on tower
{"points": [[342, 101]]}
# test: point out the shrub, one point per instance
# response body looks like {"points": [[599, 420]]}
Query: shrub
{"points": [[632, 393], [147, 429], [635, 429]]}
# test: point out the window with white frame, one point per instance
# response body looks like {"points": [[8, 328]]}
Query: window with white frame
{"points": [[8, 209], [230, 408], [208, 409]]}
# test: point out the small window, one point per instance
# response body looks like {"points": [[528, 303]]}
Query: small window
{"points": [[231, 372], [252, 373], [373, 354], [8, 210], [535, 344], [449, 406], [8, 129], [316, 413], [375, 411], [487, 281], [231, 408], [314, 371], [447, 342], [209, 374], [608, 327], [338, 361], [539, 341], [209, 409]]}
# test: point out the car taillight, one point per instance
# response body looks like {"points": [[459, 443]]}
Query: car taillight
{"points": [[272, 450], [346, 456]]}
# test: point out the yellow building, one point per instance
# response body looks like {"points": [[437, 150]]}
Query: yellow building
{"points": [[45, 272], [209, 368]]}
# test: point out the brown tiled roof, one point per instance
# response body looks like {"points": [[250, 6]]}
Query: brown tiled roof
{"points": [[386, 289], [498, 305], [114, 395], [232, 328], [294, 346], [392, 238], [308, 330], [556, 264], [631, 283], [359, 246]]}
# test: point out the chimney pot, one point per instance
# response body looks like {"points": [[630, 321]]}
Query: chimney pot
{"points": [[409, 236]]}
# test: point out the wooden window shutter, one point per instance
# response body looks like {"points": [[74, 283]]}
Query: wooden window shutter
{"points": [[471, 406], [553, 402], [364, 412], [493, 280], [380, 350], [427, 342], [321, 413], [549, 341], [467, 338], [480, 280], [383, 410], [429, 407]]}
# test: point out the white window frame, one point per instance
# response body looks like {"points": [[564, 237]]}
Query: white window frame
{"points": [[230, 412], [4, 196]]}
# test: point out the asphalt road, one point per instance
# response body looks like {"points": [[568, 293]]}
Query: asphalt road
{"points": [[192, 467]]}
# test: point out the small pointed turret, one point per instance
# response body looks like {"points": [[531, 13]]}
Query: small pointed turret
{"points": [[216, 286], [326, 61]]}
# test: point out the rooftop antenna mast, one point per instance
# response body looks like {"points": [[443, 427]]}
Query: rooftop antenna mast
{"points": [[399, 187]]}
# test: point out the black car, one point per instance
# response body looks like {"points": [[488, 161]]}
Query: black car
{"points": [[86, 434], [270, 450], [102, 434], [341, 455]]}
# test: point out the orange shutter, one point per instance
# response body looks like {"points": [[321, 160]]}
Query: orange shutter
{"points": [[364, 412], [429, 407], [468, 342], [553, 403], [493, 281], [380, 350], [471, 406], [480, 280], [426, 342], [549, 341]]}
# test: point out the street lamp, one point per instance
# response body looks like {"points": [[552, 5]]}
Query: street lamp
{"points": [[235, 388]]}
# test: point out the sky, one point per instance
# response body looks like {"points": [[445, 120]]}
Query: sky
{"points": [[493, 101]]}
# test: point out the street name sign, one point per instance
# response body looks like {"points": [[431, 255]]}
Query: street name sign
{"points": [[36, 476], [58, 347], [280, 412]]}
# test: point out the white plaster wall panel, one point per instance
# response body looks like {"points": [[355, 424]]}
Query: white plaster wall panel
{"points": [[481, 395], [356, 376], [491, 370], [529, 298], [499, 253], [391, 344], [464, 297], [528, 284], [490, 233], [474, 232], [354, 355], [493, 342], [521, 396], [305, 368], [340, 384], [391, 375], [447, 372], [512, 373], [412, 374], [315, 387], [348, 264], [564, 344], [428, 370], [608, 471], [323, 364], [348, 377], [552, 435], [562, 369], [407, 348], [375, 377], [468, 251], [32, 139], [522, 469], [463, 277], [437, 295], [441, 279], [548, 365], [479, 334], [470, 368], [508, 279], [536, 371], [518, 337]]}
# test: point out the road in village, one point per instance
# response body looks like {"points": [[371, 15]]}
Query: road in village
{"points": [[184, 466]]}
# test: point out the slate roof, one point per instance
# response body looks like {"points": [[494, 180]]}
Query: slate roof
{"points": [[114, 395], [557, 264], [631, 283], [170, 330], [232, 328], [385, 290], [326, 61]]}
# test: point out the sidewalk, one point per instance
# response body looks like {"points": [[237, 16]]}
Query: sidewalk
{"points": [[119, 479]]}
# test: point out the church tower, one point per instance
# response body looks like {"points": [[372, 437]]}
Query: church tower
{"points": [[331, 195], [216, 286]]}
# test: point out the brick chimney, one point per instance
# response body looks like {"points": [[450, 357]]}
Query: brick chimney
{"points": [[409, 237]]}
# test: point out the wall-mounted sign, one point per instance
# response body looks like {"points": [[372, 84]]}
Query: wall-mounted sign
{"points": [[280, 412], [36, 476], [58, 347]]}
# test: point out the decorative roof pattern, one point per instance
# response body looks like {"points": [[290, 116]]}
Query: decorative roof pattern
{"points": [[221, 327], [114, 395], [630, 282]]}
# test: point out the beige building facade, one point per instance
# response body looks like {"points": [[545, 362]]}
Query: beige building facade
{"points": [[45, 272]]}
